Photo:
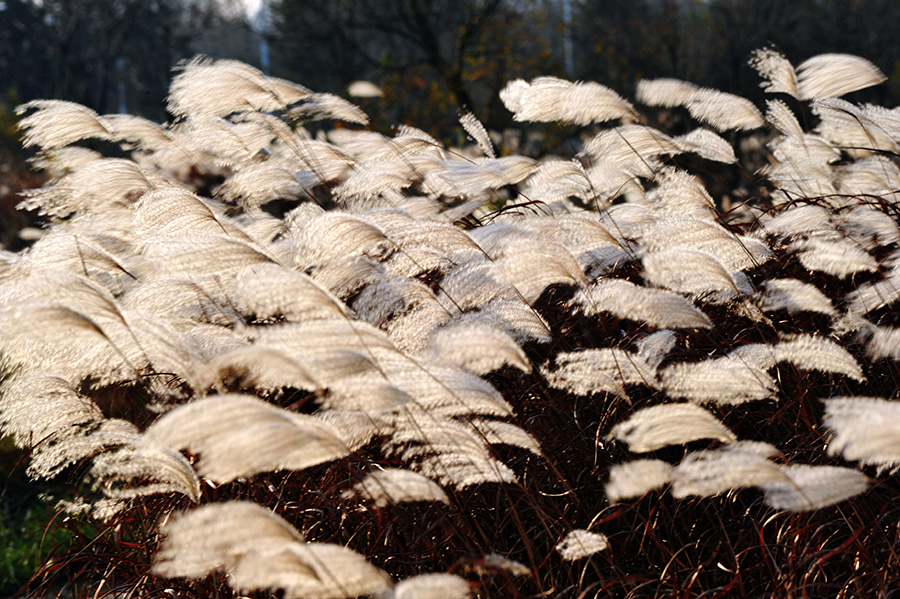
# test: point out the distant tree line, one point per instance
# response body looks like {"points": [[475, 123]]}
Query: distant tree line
{"points": [[108, 55], [454, 53], [431, 57]]}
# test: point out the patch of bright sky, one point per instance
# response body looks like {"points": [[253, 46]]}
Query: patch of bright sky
{"points": [[251, 7]]}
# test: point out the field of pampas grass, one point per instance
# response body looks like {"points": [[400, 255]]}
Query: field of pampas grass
{"points": [[273, 357]]}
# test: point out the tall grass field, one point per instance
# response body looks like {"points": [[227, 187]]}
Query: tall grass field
{"points": [[269, 352]]}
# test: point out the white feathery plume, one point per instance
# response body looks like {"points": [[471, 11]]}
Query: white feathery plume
{"points": [[850, 128], [724, 111], [36, 407], [158, 345], [884, 343], [726, 380], [626, 219], [62, 161], [866, 429], [435, 387], [202, 254], [372, 395], [809, 352], [659, 426], [755, 355], [887, 119], [217, 535], [268, 291], [424, 245], [531, 269], [54, 124], [364, 89], [335, 236], [239, 435], [256, 184], [343, 278], [90, 187], [681, 194], [794, 296], [219, 142], [180, 298], [872, 296], [430, 586], [79, 446], [388, 297], [557, 180], [496, 561], [321, 106], [476, 129], [323, 340], [609, 180], [264, 368], [803, 171], [633, 479], [171, 210], [514, 317], [372, 180], [497, 432], [657, 307], [598, 371], [832, 75], [737, 465], [50, 337], [840, 258], [355, 428], [206, 341], [221, 87], [512, 93], [685, 270], [258, 550], [707, 144], [446, 451], [105, 258], [579, 544], [868, 227], [411, 332], [494, 237], [664, 92], [414, 132], [777, 71], [809, 220], [473, 284], [813, 487], [782, 118], [309, 571], [478, 349], [576, 232], [654, 348], [632, 148], [872, 176], [395, 485], [369, 147], [138, 132], [461, 178], [548, 99], [138, 469]]}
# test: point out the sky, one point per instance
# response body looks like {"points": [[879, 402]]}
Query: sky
{"points": [[251, 6]]}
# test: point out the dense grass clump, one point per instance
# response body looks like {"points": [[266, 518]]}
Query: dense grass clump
{"points": [[272, 357]]}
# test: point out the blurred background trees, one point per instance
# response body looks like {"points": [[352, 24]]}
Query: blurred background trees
{"points": [[430, 57]]}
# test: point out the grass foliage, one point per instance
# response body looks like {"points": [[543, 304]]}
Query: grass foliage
{"points": [[276, 357]]}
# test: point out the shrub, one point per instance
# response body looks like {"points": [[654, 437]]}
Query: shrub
{"points": [[341, 363]]}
